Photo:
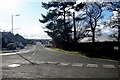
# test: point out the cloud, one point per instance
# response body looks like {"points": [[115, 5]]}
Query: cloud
{"points": [[5, 4], [31, 32], [35, 32], [37, 36], [5, 26]]}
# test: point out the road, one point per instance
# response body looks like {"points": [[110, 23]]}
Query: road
{"points": [[46, 63]]}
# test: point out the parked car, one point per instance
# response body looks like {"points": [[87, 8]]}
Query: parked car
{"points": [[48, 45], [11, 46], [21, 46], [17, 44]]}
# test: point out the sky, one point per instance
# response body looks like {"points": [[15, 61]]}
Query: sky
{"points": [[27, 24]]}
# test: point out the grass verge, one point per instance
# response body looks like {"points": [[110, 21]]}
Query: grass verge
{"points": [[28, 45], [88, 54], [61, 50]]}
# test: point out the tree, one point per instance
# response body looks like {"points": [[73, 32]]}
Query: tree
{"points": [[115, 20], [77, 8], [94, 13], [59, 27], [57, 20]]}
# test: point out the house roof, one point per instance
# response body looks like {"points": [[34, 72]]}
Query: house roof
{"points": [[8, 35], [12, 37]]}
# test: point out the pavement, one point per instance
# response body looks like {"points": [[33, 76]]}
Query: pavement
{"points": [[45, 63], [11, 52]]}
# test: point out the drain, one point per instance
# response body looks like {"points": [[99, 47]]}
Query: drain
{"points": [[14, 65]]}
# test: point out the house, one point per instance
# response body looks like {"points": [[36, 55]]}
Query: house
{"points": [[7, 37], [19, 38]]}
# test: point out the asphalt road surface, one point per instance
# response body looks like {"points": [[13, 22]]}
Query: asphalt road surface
{"points": [[41, 62]]}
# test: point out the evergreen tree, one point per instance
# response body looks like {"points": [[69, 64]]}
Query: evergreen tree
{"points": [[58, 27]]}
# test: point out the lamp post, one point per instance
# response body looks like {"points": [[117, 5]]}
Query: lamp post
{"points": [[12, 20]]}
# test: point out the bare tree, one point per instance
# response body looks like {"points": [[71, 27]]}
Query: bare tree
{"points": [[94, 13], [115, 21]]}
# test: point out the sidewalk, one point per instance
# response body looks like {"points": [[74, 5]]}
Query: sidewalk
{"points": [[26, 49]]}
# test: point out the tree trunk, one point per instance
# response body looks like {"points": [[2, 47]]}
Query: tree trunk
{"points": [[92, 29], [75, 39], [118, 33], [64, 20], [93, 35], [66, 36]]}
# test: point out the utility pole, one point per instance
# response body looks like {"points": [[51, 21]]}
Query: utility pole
{"points": [[12, 21], [75, 39]]}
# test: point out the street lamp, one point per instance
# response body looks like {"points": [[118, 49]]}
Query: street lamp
{"points": [[12, 20]]}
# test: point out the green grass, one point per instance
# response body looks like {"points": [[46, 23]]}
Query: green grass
{"points": [[28, 45], [88, 54], [61, 50]]}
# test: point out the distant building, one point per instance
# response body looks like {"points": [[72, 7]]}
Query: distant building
{"points": [[45, 41], [19, 38], [8, 37]]}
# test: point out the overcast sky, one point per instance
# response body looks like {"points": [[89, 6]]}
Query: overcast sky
{"points": [[27, 24]]}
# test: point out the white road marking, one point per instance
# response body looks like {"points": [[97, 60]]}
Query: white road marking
{"points": [[34, 46], [34, 53], [18, 52], [14, 65], [108, 66], [52, 62], [92, 65], [7, 54], [24, 51], [77, 64], [42, 62], [64, 64]]}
